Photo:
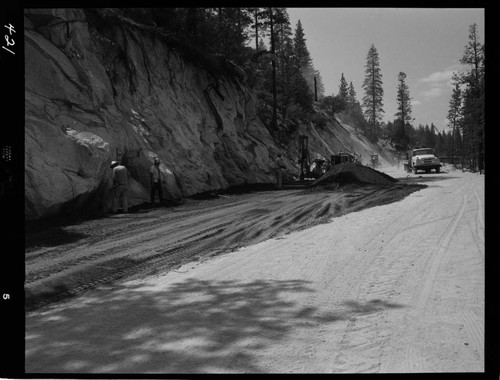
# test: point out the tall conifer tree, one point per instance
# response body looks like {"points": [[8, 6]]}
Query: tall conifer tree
{"points": [[404, 104], [454, 115], [343, 89], [300, 47], [351, 98], [473, 100], [374, 92]]}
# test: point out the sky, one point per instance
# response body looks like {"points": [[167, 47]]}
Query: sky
{"points": [[424, 43]]}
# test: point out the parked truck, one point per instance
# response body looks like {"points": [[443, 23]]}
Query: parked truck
{"points": [[421, 159]]}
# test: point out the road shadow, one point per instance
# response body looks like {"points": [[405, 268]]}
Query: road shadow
{"points": [[56, 232], [371, 306], [425, 178], [50, 236], [188, 327], [84, 278], [138, 329]]}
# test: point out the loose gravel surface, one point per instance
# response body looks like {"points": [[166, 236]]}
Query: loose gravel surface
{"points": [[353, 279]]}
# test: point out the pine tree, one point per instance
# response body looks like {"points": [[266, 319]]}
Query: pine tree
{"points": [[454, 115], [305, 62], [351, 98], [372, 84], [291, 97], [343, 90], [232, 24], [474, 56], [428, 137], [404, 104], [300, 47], [473, 97], [258, 26]]}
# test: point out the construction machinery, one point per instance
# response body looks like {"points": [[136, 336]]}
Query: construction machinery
{"points": [[319, 166], [341, 157]]}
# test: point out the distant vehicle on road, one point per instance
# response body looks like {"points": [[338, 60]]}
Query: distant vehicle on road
{"points": [[421, 159]]}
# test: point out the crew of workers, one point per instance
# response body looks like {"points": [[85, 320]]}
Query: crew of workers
{"points": [[121, 177]]}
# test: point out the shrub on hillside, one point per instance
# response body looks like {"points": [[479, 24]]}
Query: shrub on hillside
{"points": [[319, 120]]}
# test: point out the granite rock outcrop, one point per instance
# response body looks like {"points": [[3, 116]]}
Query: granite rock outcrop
{"points": [[97, 91]]}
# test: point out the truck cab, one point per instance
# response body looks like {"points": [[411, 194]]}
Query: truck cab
{"points": [[422, 159]]}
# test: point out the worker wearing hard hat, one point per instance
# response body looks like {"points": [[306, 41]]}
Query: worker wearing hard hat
{"points": [[120, 186], [155, 181], [279, 166]]}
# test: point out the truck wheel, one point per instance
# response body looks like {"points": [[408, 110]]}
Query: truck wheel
{"points": [[438, 169]]}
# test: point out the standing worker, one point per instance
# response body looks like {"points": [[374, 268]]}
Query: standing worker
{"points": [[155, 181], [280, 165], [120, 186]]}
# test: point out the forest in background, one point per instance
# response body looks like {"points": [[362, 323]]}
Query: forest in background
{"points": [[278, 67]]}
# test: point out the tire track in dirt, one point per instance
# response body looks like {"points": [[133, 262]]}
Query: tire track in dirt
{"points": [[180, 250], [478, 229], [429, 270], [164, 241], [475, 330], [134, 268], [368, 330], [435, 258], [114, 239], [105, 264], [383, 285]]}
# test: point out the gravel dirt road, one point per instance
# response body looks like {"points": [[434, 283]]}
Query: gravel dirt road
{"points": [[271, 282]]}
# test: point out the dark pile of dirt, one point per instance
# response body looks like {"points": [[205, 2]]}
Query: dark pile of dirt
{"points": [[353, 173]]}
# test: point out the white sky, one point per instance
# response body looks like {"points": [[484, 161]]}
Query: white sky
{"points": [[424, 43]]}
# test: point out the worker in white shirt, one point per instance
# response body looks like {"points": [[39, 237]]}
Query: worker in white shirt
{"points": [[279, 166], [120, 186], [155, 180]]}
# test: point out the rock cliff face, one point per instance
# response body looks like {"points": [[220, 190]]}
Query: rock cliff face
{"points": [[98, 90], [96, 93]]}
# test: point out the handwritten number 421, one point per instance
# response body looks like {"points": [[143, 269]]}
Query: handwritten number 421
{"points": [[8, 40]]}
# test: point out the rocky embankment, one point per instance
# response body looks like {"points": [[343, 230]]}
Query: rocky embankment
{"points": [[98, 89]]}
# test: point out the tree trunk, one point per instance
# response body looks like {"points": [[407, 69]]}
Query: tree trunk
{"points": [[274, 117], [462, 150], [452, 143], [315, 90], [373, 100]]}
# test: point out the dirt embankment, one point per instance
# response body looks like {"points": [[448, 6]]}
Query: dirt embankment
{"points": [[67, 260], [354, 173]]}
